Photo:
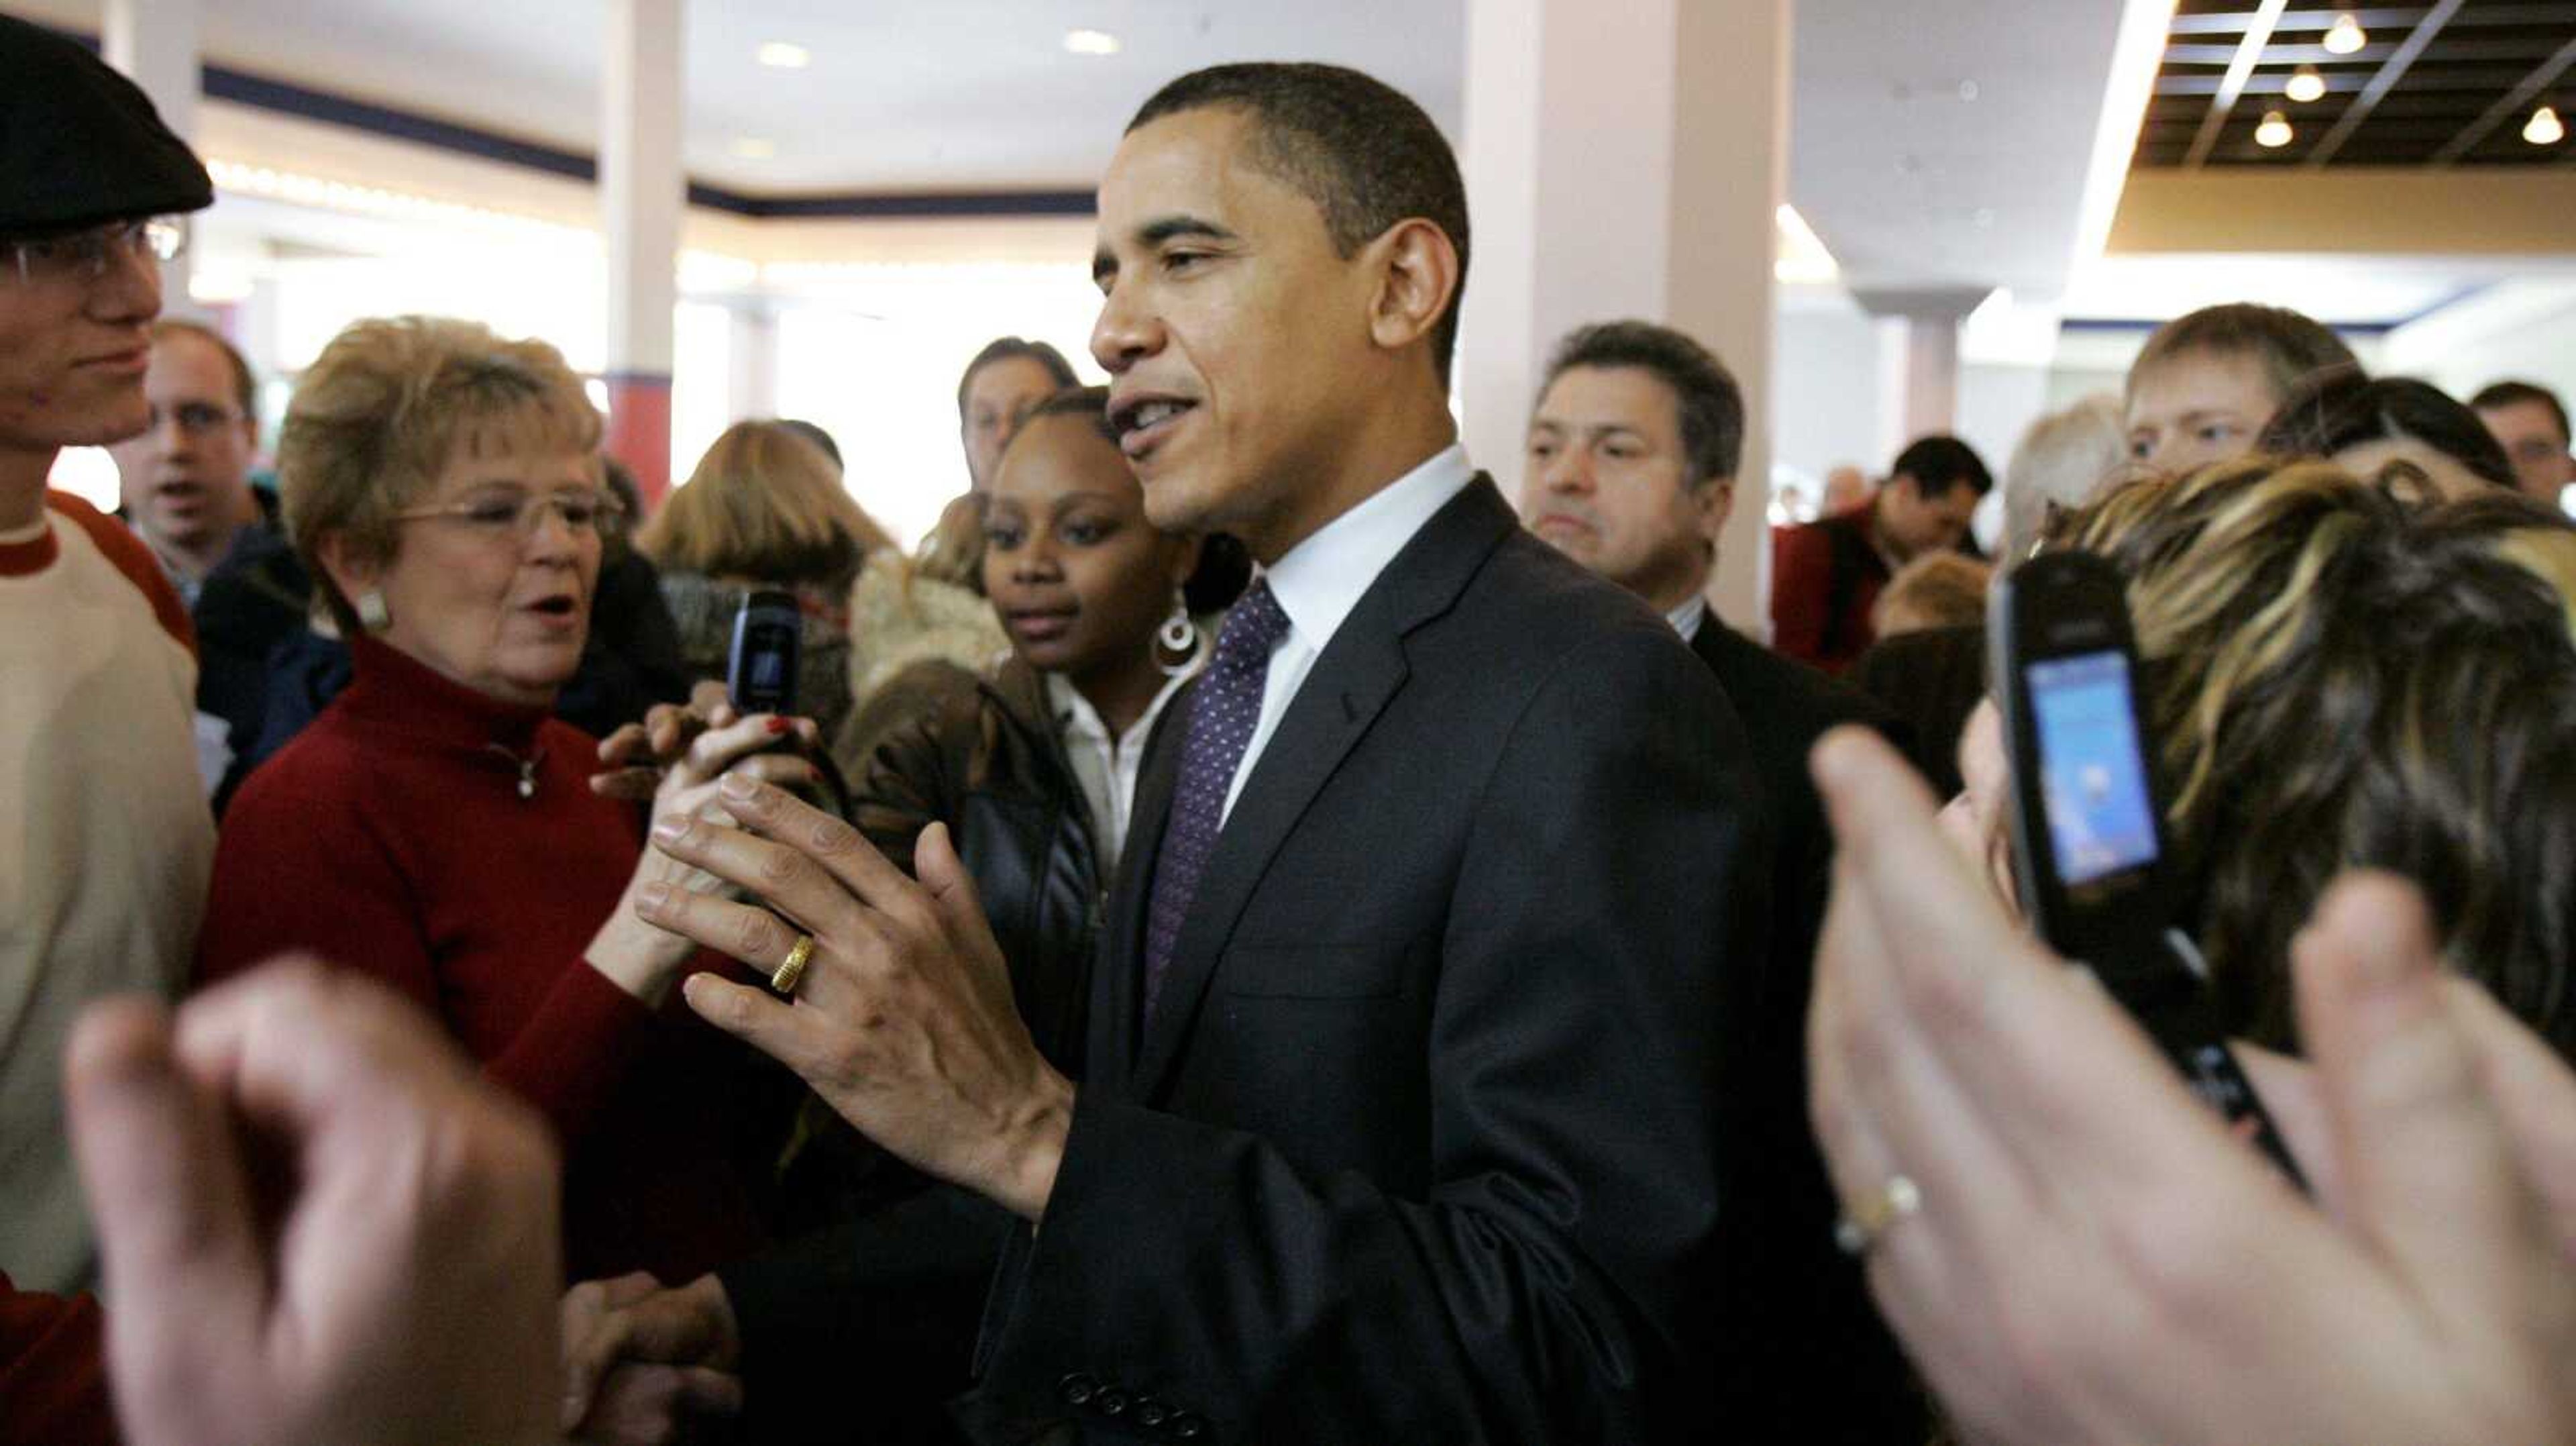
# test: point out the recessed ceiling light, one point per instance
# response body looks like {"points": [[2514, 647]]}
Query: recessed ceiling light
{"points": [[755, 148], [2345, 36], [2305, 85], [779, 55], [2274, 132], [2545, 128], [1091, 42]]}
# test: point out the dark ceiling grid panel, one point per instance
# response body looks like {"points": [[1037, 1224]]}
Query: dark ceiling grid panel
{"points": [[2439, 83]]}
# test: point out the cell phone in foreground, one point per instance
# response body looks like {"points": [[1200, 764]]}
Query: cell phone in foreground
{"points": [[768, 638], [2090, 854]]}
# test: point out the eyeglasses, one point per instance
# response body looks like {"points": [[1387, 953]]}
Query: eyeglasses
{"points": [[81, 257], [195, 419], [511, 515]]}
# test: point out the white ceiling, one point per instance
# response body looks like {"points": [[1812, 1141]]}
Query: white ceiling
{"points": [[931, 95], [1909, 182]]}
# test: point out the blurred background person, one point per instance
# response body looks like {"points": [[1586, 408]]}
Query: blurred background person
{"points": [[185, 480], [1826, 574], [1001, 387], [1943, 590], [765, 509], [435, 827], [1846, 487], [2530, 423], [2393, 429], [2204, 384], [2061, 461]]}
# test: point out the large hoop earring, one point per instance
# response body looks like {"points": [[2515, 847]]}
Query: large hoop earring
{"points": [[1180, 636], [372, 613]]}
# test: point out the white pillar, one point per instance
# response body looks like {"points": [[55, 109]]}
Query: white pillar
{"points": [[154, 42], [1602, 188], [752, 387], [1918, 337], [641, 192]]}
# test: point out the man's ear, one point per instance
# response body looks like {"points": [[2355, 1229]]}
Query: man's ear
{"points": [[1417, 268], [1714, 501]]}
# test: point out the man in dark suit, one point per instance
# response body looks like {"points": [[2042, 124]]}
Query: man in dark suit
{"points": [[1633, 449], [1400, 1113]]}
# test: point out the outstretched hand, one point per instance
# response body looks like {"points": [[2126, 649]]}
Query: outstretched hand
{"points": [[2095, 1259], [319, 1225], [904, 1021]]}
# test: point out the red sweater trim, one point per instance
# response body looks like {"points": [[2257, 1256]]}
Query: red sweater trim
{"points": [[53, 1376]]}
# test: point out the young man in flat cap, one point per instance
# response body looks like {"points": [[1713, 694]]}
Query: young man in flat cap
{"points": [[103, 863]]}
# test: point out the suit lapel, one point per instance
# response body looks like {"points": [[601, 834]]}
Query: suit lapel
{"points": [[1350, 684], [1116, 1004]]}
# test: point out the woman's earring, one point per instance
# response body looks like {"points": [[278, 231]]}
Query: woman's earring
{"points": [[1180, 637], [372, 614]]}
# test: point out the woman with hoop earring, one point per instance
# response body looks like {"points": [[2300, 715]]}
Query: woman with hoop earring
{"points": [[1032, 764]]}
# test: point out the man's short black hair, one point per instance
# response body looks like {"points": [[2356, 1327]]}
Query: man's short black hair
{"points": [[1003, 348], [2514, 393], [1361, 150], [1704, 391], [1939, 463]]}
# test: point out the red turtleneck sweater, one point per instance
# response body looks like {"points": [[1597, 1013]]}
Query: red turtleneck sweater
{"points": [[448, 844]]}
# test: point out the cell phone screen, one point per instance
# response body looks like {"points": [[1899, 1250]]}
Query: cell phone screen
{"points": [[2093, 776]]}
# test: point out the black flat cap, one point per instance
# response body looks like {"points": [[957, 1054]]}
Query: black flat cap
{"points": [[81, 144]]}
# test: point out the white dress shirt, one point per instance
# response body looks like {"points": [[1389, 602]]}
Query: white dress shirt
{"points": [[1323, 578], [1104, 766], [1687, 618]]}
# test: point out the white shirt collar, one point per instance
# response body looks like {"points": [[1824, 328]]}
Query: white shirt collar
{"points": [[1689, 618], [1323, 578], [1075, 712]]}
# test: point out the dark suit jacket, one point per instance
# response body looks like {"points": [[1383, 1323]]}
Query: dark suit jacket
{"points": [[1420, 1144], [1807, 1358]]}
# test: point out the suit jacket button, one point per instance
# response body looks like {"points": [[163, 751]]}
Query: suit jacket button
{"points": [[1112, 1402], [1188, 1427], [1077, 1389], [1151, 1413]]}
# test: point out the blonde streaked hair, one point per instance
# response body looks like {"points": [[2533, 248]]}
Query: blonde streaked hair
{"points": [[764, 503], [2339, 678], [390, 404]]}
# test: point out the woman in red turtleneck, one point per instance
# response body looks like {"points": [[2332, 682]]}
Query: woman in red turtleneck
{"points": [[436, 827]]}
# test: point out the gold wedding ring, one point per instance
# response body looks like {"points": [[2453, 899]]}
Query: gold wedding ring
{"points": [[784, 981], [1859, 1229]]}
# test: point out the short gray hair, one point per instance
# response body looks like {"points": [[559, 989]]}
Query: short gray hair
{"points": [[2064, 458]]}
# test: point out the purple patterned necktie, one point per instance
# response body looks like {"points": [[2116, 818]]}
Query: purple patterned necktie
{"points": [[1223, 713]]}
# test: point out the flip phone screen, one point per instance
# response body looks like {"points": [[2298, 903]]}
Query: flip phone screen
{"points": [[2093, 780], [760, 676]]}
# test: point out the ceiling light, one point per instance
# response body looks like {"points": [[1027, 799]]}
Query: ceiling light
{"points": [[2545, 128], [2274, 132], [2345, 36], [1091, 42], [779, 55], [755, 148], [2305, 85]]}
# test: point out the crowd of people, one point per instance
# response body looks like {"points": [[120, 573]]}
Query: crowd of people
{"points": [[1249, 933]]}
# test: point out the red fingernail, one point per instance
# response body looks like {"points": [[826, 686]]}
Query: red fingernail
{"points": [[779, 725]]}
